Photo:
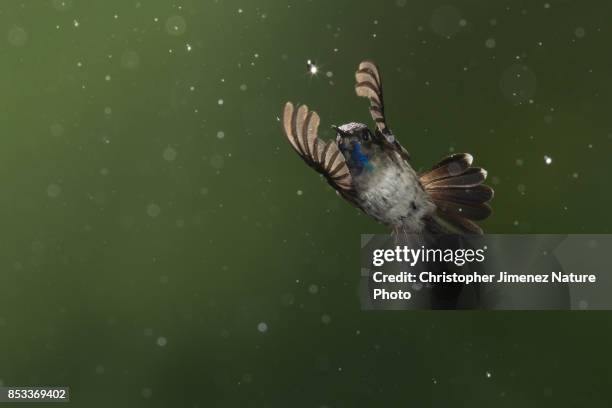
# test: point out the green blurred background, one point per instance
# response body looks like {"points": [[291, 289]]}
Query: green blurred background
{"points": [[161, 245]]}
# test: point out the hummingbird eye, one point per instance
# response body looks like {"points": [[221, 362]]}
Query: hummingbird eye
{"points": [[366, 135]]}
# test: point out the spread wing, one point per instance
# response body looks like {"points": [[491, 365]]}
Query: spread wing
{"points": [[301, 130], [369, 85]]}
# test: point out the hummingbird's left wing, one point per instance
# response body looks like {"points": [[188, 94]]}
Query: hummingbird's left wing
{"points": [[369, 85], [301, 130]]}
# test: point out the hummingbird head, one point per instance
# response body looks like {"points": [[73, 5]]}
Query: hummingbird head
{"points": [[356, 143], [350, 133]]}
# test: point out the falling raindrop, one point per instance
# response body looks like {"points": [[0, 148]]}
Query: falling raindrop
{"points": [[153, 210], [176, 25]]}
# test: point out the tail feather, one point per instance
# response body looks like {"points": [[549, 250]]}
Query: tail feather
{"points": [[473, 176], [459, 194], [451, 166], [476, 194], [455, 224]]}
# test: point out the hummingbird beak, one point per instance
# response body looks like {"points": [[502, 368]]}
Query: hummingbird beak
{"points": [[339, 131], [339, 135]]}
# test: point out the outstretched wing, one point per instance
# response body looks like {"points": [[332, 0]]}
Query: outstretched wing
{"points": [[301, 130], [369, 85]]}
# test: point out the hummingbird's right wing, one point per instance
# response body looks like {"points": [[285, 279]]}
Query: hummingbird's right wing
{"points": [[301, 130], [369, 85]]}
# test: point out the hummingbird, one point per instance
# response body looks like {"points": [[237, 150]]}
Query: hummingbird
{"points": [[373, 171]]}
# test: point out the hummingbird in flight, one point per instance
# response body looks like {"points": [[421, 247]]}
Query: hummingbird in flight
{"points": [[373, 171]]}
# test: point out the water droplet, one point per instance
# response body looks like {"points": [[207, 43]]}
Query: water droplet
{"points": [[169, 154], [217, 161], [176, 25], [56, 129], [53, 190], [62, 5], [130, 60], [17, 37], [518, 84], [446, 21], [287, 299], [153, 210]]}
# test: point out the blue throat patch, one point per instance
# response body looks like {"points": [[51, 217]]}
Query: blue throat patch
{"points": [[362, 160]]}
